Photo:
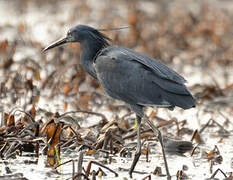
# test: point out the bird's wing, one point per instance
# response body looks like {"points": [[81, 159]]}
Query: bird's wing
{"points": [[157, 67], [126, 80], [134, 83]]}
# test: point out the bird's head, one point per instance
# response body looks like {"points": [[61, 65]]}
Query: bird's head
{"points": [[81, 34]]}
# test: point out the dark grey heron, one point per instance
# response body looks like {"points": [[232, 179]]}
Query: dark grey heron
{"points": [[129, 76]]}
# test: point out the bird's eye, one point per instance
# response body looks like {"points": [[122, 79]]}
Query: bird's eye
{"points": [[69, 33]]}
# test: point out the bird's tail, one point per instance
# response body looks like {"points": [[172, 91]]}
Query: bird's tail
{"points": [[180, 100]]}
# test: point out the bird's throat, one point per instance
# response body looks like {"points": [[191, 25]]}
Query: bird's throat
{"points": [[88, 57]]}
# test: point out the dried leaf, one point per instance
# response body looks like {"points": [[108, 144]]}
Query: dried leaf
{"points": [[66, 89], [53, 140], [36, 100], [3, 46], [37, 75], [33, 112], [11, 121], [221, 140], [43, 129], [210, 155], [144, 151], [152, 115], [197, 137], [90, 152], [65, 106]]}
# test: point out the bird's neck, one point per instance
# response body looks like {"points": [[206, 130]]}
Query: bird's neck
{"points": [[88, 56]]}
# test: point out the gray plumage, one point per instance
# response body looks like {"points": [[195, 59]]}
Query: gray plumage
{"points": [[129, 76], [139, 80]]}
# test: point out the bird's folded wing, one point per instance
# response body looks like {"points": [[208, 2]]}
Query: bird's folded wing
{"points": [[157, 67]]}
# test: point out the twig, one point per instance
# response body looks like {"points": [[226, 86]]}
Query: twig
{"points": [[73, 169], [62, 164], [80, 162], [194, 149], [213, 175], [125, 169], [147, 177], [205, 126], [97, 163], [29, 115]]}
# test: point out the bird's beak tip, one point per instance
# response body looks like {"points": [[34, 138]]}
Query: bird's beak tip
{"points": [[55, 44], [45, 49]]}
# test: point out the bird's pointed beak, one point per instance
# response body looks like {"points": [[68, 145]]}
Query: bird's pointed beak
{"points": [[57, 43]]}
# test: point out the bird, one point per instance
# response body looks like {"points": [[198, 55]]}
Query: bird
{"points": [[136, 79]]}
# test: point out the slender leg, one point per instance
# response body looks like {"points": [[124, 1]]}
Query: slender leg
{"points": [[156, 131], [138, 151]]}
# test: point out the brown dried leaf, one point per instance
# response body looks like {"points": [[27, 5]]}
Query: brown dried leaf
{"points": [[79, 138], [53, 140], [11, 121], [152, 115], [57, 135], [210, 155], [144, 151], [100, 88], [132, 19], [90, 152], [51, 159], [66, 89], [37, 75], [33, 112], [36, 100], [42, 131], [197, 137], [221, 140], [3, 46], [65, 106]]}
